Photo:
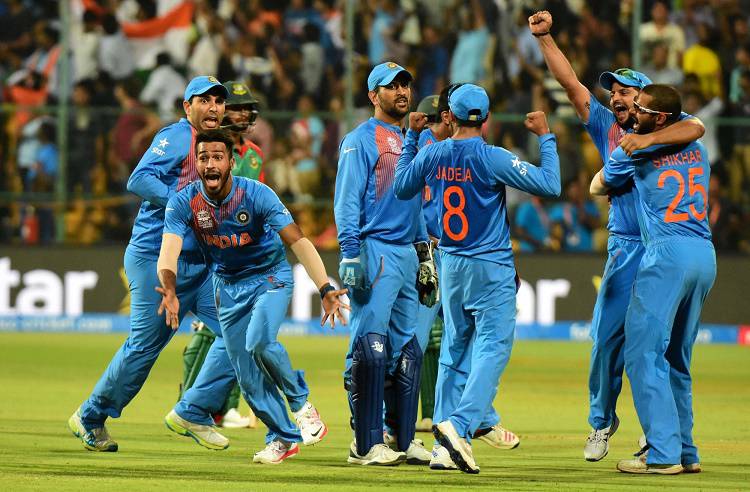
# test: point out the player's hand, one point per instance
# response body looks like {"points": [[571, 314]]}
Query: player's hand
{"points": [[332, 306], [352, 273], [632, 141], [417, 121], [540, 22], [169, 305], [427, 277], [536, 122]]}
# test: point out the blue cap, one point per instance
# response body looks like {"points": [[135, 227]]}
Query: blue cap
{"points": [[384, 74], [469, 103], [624, 76], [202, 84]]}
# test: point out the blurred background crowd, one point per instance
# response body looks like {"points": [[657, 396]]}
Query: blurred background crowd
{"points": [[97, 106]]}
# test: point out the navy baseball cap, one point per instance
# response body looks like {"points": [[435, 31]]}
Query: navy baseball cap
{"points": [[469, 102], [384, 74], [202, 84], [624, 76]]}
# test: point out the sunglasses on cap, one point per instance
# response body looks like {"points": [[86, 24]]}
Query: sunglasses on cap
{"points": [[643, 109]]}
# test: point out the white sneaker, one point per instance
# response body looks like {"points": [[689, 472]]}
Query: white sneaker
{"points": [[416, 454], [310, 425], [501, 438], [205, 435], [458, 448], [597, 444], [379, 455], [441, 459], [424, 425], [234, 420], [640, 467], [96, 440], [275, 452]]}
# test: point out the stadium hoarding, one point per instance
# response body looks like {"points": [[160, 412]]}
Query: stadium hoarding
{"points": [[66, 283]]}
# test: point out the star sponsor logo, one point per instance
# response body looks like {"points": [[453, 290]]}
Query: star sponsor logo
{"points": [[204, 219], [520, 165], [163, 143]]}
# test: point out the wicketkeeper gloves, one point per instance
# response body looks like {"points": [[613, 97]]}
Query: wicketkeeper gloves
{"points": [[427, 278]]}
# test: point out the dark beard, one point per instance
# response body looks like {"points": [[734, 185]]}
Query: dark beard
{"points": [[395, 113]]}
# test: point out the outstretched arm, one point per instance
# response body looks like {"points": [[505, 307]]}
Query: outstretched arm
{"points": [[310, 259], [540, 24], [166, 268]]}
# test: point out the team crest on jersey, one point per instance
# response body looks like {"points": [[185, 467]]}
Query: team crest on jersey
{"points": [[394, 144], [204, 219], [242, 216]]}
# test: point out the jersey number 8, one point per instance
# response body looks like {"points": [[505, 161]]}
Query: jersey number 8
{"points": [[457, 211]]}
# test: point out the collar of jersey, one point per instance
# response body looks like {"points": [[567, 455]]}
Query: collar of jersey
{"points": [[212, 202], [394, 128]]}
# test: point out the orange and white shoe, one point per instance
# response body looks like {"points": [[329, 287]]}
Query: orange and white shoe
{"points": [[310, 425], [276, 452]]}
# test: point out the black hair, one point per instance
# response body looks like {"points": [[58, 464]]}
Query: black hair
{"points": [[215, 136], [110, 24], [90, 16], [163, 58], [664, 98], [443, 97]]}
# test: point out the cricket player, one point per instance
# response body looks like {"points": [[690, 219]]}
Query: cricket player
{"points": [[477, 275], [430, 319], [240, 225], [242, 109], [168, 166], [674, 277], [383, 247], [608, 128]]}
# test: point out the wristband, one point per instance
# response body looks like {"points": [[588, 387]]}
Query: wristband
{"points": [[539, 34], [325, 290]]}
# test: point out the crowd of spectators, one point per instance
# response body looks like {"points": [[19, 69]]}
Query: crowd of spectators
{"points": [[291, 54]]}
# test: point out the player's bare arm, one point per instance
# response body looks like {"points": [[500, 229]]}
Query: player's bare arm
{"points": [[598, 187], [307, 255], [681, 132], [540, 24], [166, 268]]}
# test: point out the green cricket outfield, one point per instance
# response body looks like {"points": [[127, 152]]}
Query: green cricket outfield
{"points": [[542, 397]]}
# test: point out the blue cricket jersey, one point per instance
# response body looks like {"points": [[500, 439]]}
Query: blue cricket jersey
{"points": [[469, 178], [239, 237], [364, 204], [168, 166], [429, 205], [672, 185], [607, 134]]}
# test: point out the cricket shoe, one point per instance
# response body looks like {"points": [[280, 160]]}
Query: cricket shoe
{"points": [[441, 459], [597, 444], [378, 455], [205, 435], [643, 455], [458, 448], [639, 466], [424, 425], [234, 420], [310, 425], [97, 439], [498, 437], [416, 454], [275, 452]]}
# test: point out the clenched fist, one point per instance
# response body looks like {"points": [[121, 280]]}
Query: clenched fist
{"points": [[536, 122], [540, 22]]}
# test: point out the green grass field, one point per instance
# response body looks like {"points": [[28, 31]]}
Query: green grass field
{"points": [[543, 398]]}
